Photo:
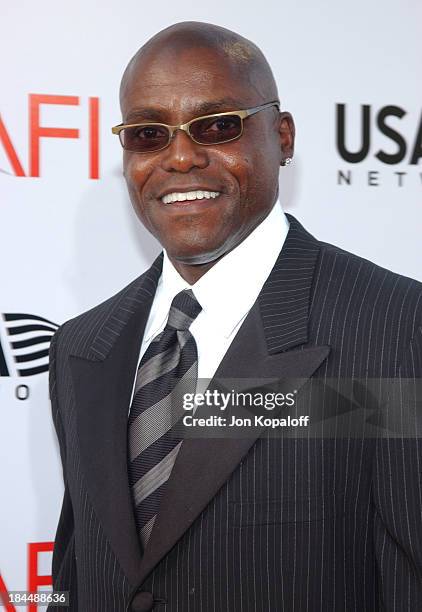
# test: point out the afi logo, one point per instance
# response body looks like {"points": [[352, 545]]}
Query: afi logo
{"points": [[37, 132], [380, 121], [34, 579]]}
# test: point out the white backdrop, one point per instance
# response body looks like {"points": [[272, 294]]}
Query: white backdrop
{"points": [[68, 241]]}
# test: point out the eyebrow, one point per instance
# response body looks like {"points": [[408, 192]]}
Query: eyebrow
{"points": [[203, 108]]}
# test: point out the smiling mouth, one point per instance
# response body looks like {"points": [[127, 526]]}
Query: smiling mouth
{"points": [[177, 196]]}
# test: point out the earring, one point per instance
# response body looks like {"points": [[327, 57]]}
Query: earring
{"points": [[287, 161]]}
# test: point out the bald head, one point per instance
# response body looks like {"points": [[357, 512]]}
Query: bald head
{"points": [[242, 57]]}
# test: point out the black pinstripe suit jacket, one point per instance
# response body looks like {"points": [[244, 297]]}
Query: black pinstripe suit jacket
{"points": [[247, 525]]}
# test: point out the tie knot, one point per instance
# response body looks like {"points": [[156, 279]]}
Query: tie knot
{"points": [[183, 310]]}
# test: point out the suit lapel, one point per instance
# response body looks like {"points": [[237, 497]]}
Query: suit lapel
{"points": [[102, 385], [277, 322]]}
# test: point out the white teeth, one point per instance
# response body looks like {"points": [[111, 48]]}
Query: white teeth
{"points": [[188, 195]]}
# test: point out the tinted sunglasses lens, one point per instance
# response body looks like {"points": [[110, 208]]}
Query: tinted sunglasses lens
{"points": [[214, 130], [145, 138]]}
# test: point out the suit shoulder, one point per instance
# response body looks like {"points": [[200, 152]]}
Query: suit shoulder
{"points": [[87, 324], [344, 257], [337, 263], [352, 274]]}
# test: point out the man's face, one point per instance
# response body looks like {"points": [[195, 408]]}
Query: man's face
{"points": [[175, 89]]}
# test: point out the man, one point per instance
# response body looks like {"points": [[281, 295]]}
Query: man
{"points": [[242, 291]]}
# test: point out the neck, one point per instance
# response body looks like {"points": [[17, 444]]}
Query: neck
{"points": [[192, 273]]}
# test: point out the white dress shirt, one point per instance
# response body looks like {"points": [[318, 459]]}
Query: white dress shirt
{"points": [[226, 292]]}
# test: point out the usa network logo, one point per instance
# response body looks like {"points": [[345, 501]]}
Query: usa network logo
{"points": [[24, 344], [380, 145]]}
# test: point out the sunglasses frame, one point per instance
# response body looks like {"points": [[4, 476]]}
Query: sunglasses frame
{"points": [[242, 114]]}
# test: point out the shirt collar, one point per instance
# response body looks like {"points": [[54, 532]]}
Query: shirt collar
{"points": [[228, 290]]}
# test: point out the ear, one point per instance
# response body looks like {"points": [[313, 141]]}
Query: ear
{"points": [[287, 132]]}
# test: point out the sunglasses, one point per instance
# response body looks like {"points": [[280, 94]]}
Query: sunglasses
{"points": [[207, 130]]}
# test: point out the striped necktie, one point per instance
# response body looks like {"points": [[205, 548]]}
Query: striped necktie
{"points": [[170, 361]]}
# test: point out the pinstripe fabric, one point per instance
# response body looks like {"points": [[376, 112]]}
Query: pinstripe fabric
{"points": [[300, 524], [100, 567]]}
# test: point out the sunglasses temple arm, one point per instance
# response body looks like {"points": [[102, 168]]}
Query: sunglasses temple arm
{"points": [[252, 111]]}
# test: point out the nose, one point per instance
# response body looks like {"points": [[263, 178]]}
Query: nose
{"points": [[182, 154]]}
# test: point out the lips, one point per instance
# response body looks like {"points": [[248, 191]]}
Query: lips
{"points": [[189, 196]]}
